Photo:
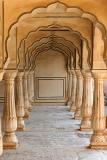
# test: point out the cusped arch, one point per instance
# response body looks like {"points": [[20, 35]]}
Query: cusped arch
{"points": [[59, 44], [58, 8], [46, 47], [34, 33]]}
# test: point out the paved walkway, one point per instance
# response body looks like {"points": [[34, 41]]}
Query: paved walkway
{"points": [[52, 134]]}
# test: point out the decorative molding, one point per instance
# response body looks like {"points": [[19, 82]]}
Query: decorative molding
{"points": [[50, 78]]}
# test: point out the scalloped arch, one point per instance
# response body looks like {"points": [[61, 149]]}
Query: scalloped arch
{"points": [[52, 43], [62, 48], [59, 7], [34, 32]]}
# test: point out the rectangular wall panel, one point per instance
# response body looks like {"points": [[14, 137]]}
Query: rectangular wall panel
{"points": [[50, 87]]}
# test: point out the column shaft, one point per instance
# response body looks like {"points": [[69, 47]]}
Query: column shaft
{"points": [[26, 98], [1, 140], [79, 94], [74, 83], [69, 88], [87, 102], [98, 139], [9, 113], [20, 102], [31, 86]]}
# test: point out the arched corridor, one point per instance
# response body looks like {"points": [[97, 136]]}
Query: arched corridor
{"points": [[53, 77]]}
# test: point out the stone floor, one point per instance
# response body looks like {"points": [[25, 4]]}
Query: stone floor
{"points": [[52, 134]]}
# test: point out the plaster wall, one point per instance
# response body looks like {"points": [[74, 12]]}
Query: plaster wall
{"points": [[51, 77]]}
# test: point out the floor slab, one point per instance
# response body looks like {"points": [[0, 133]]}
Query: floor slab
{"points": [[52, 134]]}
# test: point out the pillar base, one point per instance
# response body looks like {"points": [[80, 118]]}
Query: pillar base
{"points": [[86, 125], [73, 109], [102, 147], [1, 146], [69, 103], [30, 108], [20, 124], [86, 129], [98, 141], [77, 118], [21, 129], [77, 115], [26, 116], [10, 141]]}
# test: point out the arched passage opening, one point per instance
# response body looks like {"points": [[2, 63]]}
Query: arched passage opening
{"points": [[30, 46]]}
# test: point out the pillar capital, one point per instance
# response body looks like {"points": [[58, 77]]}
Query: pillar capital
{"points": [[26, 73], [20, 74], [86, 74], [31, 72], [100, 74], [73, 72], [10, 75], [78, 73], [70, 72]]}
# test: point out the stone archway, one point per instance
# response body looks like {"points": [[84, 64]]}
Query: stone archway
{"points": [[76, 13], [88, 32]]}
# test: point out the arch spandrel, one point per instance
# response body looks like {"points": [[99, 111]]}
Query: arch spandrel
{"points": [[26, 6]]}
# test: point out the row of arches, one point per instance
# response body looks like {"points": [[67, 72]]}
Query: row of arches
{"points": [[81, 38]]}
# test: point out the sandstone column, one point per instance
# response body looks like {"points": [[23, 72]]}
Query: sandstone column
{"points": [[73, 95], [26, 98], [87, 102], [79, 94], [69, 88], [20, 102], [98, 139], [31, 85], [1, 141], [9, 113], [29, 91]]}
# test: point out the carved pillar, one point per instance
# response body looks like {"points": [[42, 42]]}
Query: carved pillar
{"points": [[1, 141], [73, 95], [98, 139], [79, 94], [69, 88], [20, 102], [9, 113], [87, 102], [26, 98], [31, 85]]}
